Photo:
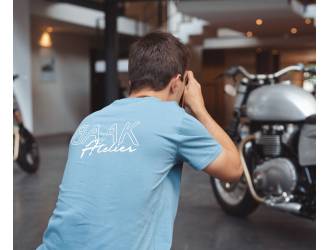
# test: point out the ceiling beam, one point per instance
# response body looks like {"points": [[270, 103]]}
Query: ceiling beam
{"points": [[83, 3], [100, 5], [265, 42], [97, 5]]}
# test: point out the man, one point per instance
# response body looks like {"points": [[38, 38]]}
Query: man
{"points": [[121, 184]]}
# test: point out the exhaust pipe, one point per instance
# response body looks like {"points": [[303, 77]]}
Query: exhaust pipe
{"points": [[246, 170], [292, 207]]}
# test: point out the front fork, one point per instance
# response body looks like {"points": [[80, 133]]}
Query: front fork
{"points": [[232, 129], [240, 99]]}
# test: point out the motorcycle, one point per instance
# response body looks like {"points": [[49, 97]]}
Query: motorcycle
{"points": [[274, 127], [25, 148]]}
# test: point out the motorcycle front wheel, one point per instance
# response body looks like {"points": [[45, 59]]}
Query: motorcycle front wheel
{"points": [[234, 198]]}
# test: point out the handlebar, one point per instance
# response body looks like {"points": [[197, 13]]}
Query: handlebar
{"points": [[239, 70]]}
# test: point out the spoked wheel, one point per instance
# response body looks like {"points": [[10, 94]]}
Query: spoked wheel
{"points": [[231, 192], [234, 198]]}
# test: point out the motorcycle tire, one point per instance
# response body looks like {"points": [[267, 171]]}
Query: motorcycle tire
{"points": [[246, 204], [28, 156], [243, 208]]}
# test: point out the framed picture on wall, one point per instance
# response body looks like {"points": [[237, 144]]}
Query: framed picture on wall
{"points": [[47, 68]]}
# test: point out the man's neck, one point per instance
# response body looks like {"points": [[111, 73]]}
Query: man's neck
{"points": [[159, 94]]}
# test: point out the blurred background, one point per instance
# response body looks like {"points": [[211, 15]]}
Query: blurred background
{"points": [[71, 59]]}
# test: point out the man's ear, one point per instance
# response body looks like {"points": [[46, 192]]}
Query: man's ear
{"points": [[129, 83], [174, 83]]}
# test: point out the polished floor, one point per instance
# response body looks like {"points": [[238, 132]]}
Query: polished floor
{"points": [[200, 222]]}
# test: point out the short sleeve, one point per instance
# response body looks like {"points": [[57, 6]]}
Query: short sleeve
{"points": [[196, 146]]}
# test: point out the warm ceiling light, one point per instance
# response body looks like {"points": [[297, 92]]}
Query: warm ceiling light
{"points": [[294, 30], [308, 21], [249, 34], [50, 29], [259, 21], [45, 40]]}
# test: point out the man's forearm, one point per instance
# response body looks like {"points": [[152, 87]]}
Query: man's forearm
{"points": [[214, 129]]}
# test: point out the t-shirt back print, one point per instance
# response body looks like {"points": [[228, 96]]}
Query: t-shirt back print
{"points": [[121, 184], [100, 139]]}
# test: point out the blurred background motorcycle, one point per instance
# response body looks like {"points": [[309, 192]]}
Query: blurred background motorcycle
{"points": [[25, 148]]}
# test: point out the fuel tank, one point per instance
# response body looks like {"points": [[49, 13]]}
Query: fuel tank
{"points": [[280, 102]]}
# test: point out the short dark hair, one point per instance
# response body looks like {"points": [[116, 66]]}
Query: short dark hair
{"points": [[154, 59]]}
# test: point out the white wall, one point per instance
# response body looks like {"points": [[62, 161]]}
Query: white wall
{"points": [[59, 106], [22, 59]]}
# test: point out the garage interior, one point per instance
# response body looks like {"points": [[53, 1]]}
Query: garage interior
{"points": [[87, 50]]}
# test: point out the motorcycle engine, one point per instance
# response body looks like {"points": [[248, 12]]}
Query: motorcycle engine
{"points": [[276, 174]]}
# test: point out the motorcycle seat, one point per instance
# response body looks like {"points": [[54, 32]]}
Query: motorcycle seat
{"points": [[311, 119]]}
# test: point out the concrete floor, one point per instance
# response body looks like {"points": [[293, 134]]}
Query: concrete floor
{"points": [[200, 222]]}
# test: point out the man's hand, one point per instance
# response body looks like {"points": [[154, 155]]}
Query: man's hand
{"points": [[193, 97]]}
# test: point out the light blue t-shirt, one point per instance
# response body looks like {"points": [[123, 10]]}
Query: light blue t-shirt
{"points": [[121, 184]]}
